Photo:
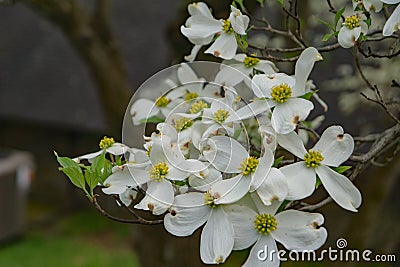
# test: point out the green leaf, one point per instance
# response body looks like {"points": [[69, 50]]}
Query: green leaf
{"points": [[66, 162], [368, 21], [75, 176], [327, 36], [308, 95], [261, 2], [277, 161], [91, 179], [318, 183], [237, 133], [325, 23], [283, 205], [153, 119], [337, 16], [341, 169], [282, 2], [242, 42]]}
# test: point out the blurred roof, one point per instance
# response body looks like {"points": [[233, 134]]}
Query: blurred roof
{"points": [[42, 80]]}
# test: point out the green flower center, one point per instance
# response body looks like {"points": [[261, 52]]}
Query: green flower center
{"points": [[313, 158], [248, 165], [281, 93], [265, 223], [183, 124], [209, 200], [159, 171], [106, 142], [352, 22], [227, 27], [190, 96], [197, 107], [162, 102], [251, 61], [221, 115]]}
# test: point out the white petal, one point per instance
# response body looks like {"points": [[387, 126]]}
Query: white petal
{"points": [[186, 74], [199, 8], [201, 27], [262, 170], [393, 23], [242, 219], [142, 109], [159, 197], [128, 196], [225, 154], [249, 111], [286, 115], [117, 149], [187, 214], [204, 183], [261, 252], [229, 76], [230, 190], [217, 238], [292, 143], [347, 37], [275, 187], [119, 181], [89, 156], [298, 230], [193, 53], [261, 207], [175, 173], [239, 22], [266, 66], [390, 1], [340, 188], [304, 66], [224, 47], [335, 146], [301, 180]]}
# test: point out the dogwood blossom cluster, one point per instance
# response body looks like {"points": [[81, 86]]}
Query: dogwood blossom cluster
{"points": [[355, 25], [231, 154]]}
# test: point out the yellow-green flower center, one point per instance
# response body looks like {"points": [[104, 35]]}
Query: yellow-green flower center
{"points": [[248, 165], [227, 27], [209, 200], [190, 96], [162, 102], [352, 22], [251, 61], [183, 124], [197, 107], [221, 115], [159, 171], [106, 142], [313, 158], [265, 223], [281, 93]]}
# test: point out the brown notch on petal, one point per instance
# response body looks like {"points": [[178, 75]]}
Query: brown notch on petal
{"points": [[315, 225], [340, 137], [217, 53], [296, 119], [150, 206], [173, 212]]}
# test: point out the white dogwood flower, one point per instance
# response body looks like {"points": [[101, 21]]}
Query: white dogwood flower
{"points": [[189, 212], [369, 5], [280, 91], [333, 148], [201, 28], [254, 174], [351, 30], [106, 144], [295, 230]]}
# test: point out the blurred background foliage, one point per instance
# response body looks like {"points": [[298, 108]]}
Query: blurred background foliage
{"points": [[67, 71]]}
